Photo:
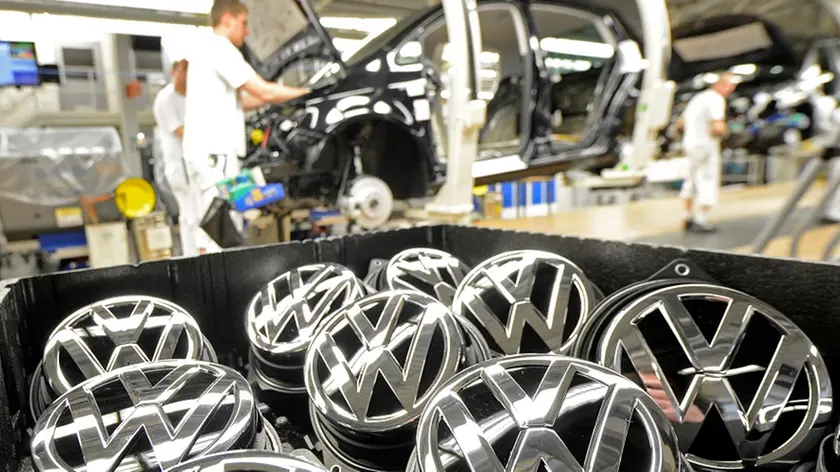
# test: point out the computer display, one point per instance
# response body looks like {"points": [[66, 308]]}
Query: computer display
{"points": [[18, 64]]}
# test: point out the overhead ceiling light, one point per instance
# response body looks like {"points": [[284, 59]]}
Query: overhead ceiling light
{"points": [[365, 25], [568, 64], [744, 69], [776, 70], [488, 57], [184, 6], [574, 47], [711, 78]]}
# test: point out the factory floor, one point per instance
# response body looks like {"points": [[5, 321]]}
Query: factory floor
{"points": [[741, 214]]}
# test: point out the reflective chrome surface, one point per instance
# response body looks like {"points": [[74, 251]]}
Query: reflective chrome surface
{"points": [[522, 412], [742, 385], [116, 333], [829, 455], [146, 416], [283, 316], [407, 339], [435, 273], [241, 461], [546, 292]]}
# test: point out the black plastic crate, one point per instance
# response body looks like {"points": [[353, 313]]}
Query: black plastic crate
{"points": [[217, 288]]}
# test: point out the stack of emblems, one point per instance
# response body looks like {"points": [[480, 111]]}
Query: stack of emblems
{"points": [[428, 365], [521, 363], [131, 384]]}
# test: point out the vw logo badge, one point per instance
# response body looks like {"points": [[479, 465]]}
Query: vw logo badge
{"points": [[743, 386], [283, 317], [545, 292], [435, 273], [407, 339], [119, 332], [147, 416], [248, 461], [829, 455], [543, 412]]}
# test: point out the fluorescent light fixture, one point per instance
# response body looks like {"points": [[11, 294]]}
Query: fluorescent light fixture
{"points": [[489, 57], [577, 48], [487, 96], [365, 25], [185, 6], [568, 64], [744, 69], [487, 74], [710, 78], [776, 70], [73, 26]]}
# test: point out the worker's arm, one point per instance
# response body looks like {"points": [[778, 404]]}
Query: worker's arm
{"points": [[717, 114], [249, 102], [720, 128], [254, 91], [261, 92]]}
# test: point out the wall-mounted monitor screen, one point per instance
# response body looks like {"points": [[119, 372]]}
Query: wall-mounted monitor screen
{"points": [[18, 64]]}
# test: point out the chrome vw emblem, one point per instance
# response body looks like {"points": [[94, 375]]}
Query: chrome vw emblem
{"points": [[116, 333], [283, 317], [522, 412], [181, 409], [363, 342], [248, 461], [714, 356], [545, 291], [430, 271]]}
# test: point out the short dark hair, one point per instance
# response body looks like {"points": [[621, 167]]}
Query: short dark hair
{"points": [[221, 7]]}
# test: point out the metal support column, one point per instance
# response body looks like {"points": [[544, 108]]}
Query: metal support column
{"points": [[809, 175], [466, 115], [815, 213], [129, 123], [657, 93]]}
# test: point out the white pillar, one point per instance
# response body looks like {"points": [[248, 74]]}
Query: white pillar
{"points": [[656, 30], [466, 116]]}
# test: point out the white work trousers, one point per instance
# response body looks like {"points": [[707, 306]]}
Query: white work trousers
{"points": [[832, 209], [205, 173], [703, 181], [188, 221]]}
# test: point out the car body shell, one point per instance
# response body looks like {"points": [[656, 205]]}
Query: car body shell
{"points": [[372, 86]]}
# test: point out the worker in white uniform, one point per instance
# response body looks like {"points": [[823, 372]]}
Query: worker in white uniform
{"points": [[169, 109], [704, 125], [222, 85]]}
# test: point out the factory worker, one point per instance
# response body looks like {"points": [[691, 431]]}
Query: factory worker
{"points": [[169, 109], [704, 125], [222, 86]]}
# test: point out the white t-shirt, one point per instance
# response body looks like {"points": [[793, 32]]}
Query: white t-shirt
{"points": [[169, 111], [704, 108], [215, 121]]}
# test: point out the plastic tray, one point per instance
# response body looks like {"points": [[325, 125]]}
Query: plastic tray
{"points": [[216, 289]]}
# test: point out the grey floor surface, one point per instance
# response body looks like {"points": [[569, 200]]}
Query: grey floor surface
{"points": [[730, 234]]}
